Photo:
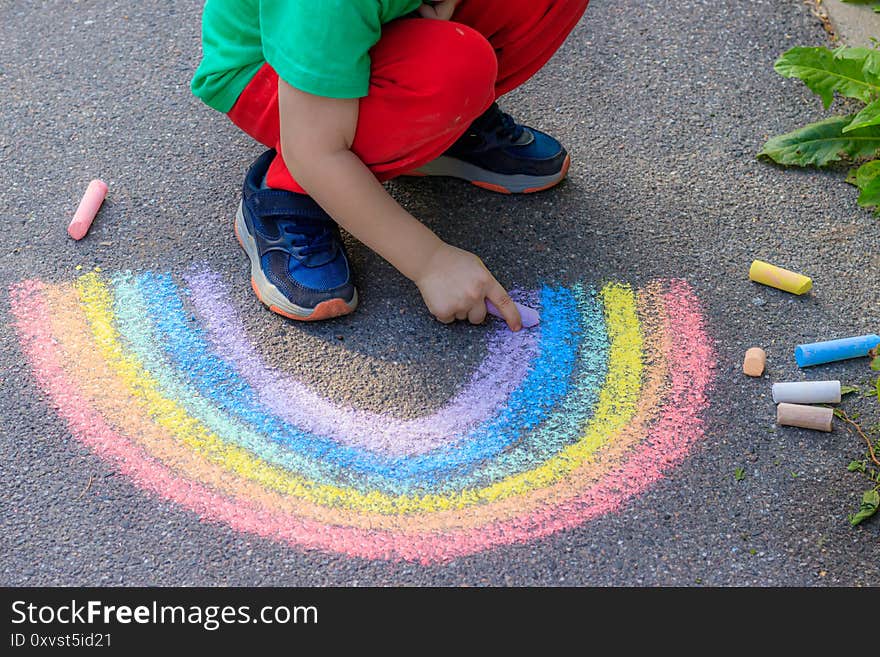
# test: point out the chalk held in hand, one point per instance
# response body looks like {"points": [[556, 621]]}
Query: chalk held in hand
{"points": [[807, 392], [88, 208], [781, 279], [806, 417], [818, 353], [754, 362], [528, 315]]}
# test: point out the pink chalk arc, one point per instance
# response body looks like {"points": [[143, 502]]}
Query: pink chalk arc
{"points": [[661, 436]]}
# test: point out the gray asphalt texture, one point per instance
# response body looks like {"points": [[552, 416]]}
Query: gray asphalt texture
{"points": [[663, 109]]}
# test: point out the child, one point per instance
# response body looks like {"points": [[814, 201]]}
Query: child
{"points": [[350, 93]]}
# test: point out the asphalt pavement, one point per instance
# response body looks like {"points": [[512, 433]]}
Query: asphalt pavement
{"points": [[663, 108]]}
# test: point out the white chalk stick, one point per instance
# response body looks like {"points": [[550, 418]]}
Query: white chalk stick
{"points": [[807, 392], [806, 417]]}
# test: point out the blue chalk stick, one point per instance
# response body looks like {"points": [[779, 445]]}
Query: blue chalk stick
{"points": [[827, 352]]}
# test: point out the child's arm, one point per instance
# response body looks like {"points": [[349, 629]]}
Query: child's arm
{"points": [[316, 137]]}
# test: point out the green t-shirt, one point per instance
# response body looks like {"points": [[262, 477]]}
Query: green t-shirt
{"points": [[318, 46]]}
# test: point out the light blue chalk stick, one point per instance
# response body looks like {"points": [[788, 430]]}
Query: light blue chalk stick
{"points": [[827, 352]]}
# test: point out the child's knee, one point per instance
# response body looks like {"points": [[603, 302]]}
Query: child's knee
{"points": [[464, 69]]}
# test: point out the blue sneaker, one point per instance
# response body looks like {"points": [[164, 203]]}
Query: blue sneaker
{"points": [[498, 154], [299, 268]]}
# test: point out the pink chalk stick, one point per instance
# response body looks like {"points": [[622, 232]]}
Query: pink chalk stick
{"points": [[88, 208], [528, 315]]}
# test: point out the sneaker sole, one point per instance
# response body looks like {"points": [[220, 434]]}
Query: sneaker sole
{"points": [[271, 297], [495, 182]]}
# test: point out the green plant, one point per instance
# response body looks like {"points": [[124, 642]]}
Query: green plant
{"points": [[845, 71], [869, 467], [870, 502]]}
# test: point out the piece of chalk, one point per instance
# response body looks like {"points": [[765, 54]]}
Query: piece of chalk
{"points": [[754, 362], [817, 353], [807, 392], [528, 315], [806, 417], [782, 279], [88, 208]]}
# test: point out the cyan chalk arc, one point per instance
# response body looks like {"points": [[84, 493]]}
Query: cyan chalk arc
{"points": [[543, 387], [536, 445], [645, 416]]}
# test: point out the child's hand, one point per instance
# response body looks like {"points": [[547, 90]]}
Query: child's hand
{"points": [[456, 283], [439, 10]]}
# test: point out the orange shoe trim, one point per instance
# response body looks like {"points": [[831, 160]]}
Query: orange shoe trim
{"points": [[324, 310], [492, 187], [565, 165]]}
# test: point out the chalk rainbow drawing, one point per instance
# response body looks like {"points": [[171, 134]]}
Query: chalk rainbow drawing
{"points": [[557, 425]]}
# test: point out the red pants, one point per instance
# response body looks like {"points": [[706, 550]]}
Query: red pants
{"points": [[429, 80]]}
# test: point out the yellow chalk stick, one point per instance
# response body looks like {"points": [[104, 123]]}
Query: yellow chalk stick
{"points": [[782, 279]]}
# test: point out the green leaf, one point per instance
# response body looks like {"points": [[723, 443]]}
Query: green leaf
{"points": [[856, 466], [845, 390], [870, 115], [739, 474], [820, 143], [875, 364], [868, 182], [851, 72], [870, 503], [877, 382], [867, 172]]}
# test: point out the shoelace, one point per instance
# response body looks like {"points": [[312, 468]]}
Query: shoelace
{"points": [[499, 122], [314, 238]]}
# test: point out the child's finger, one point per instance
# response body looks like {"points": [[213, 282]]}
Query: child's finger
{"points": [[502, 301], [477, 314]]}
